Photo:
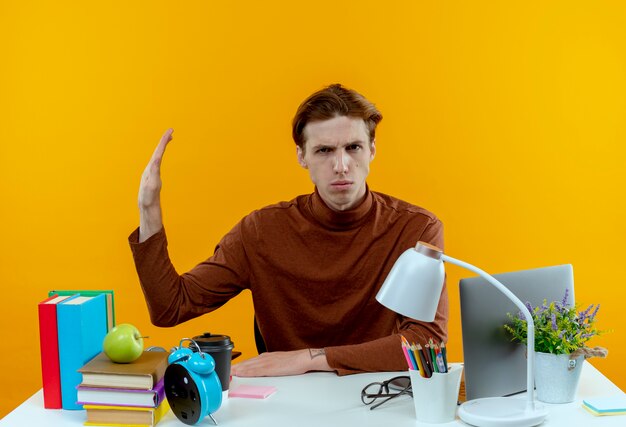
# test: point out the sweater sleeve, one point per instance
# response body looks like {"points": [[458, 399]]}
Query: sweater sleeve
{"points": [[172, 298], [385, 354]]}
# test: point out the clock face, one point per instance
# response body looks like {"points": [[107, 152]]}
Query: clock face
{"points": [[182, 394]]}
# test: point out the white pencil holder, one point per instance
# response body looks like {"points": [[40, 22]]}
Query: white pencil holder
{"points": [[435, 398]]}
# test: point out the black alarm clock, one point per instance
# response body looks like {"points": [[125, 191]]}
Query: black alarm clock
{"points": [[192, 387]]}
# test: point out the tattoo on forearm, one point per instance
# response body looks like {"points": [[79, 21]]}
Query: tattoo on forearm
{"points": [[316, 352]]}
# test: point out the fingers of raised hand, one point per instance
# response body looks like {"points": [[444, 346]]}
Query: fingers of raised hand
{"points": [[167, 136], [160, 149]]}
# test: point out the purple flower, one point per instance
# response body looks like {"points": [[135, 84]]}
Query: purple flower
{"points": [[582, 316], [593, 315], [554, 327], [529, 307], [561, 334], [564, 301]]}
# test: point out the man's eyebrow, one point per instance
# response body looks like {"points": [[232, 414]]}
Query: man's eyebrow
{"points": [[355, 142], [333, 146], [318, 146]]}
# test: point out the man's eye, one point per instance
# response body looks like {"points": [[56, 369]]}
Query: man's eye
{"points": [[354, 147], [324, 150]]}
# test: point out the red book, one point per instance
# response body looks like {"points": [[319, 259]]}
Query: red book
{"points": [[49, 344]]}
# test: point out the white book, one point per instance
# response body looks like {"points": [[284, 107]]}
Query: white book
{"points": [[121, 397]]}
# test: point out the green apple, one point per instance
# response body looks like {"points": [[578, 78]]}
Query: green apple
{"points": [[123, 343]]}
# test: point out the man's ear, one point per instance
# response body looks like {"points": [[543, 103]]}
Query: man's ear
{"points": [[372, 150], [300, 154]]}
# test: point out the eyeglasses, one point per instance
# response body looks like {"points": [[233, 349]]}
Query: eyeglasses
{"points": [[377, 390]]}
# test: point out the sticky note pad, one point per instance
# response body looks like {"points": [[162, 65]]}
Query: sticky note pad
{"points": [[611, 405], [252, 391]]}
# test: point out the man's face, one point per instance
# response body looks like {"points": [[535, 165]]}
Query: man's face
{"points": [[337, 154]]}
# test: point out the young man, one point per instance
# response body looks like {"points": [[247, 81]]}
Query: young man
{"points": [[313, 264]]}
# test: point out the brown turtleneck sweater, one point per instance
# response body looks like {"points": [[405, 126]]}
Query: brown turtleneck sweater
{"points": [[313, 273]]}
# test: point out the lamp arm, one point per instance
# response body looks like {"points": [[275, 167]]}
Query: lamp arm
{"points": [[530, 338]]}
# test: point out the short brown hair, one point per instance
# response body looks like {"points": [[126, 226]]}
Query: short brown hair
{"points": [[333, 101]]}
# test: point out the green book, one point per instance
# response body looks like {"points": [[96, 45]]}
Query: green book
{"points": [[109, 297]]}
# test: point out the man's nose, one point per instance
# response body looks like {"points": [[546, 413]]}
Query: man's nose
{"points": [[342, 161]]}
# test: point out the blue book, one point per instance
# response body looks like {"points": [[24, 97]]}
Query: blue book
{"points": [[91, 293], [81, 325]]}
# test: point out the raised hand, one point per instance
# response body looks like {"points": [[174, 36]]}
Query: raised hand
{"points": [[149, 200]]}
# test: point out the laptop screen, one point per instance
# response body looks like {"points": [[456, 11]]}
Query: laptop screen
{"points": [[493, 365]]}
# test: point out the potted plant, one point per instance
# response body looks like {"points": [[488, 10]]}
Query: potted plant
{"points": [[561, 334]]}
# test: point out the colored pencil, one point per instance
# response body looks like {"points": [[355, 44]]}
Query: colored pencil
{"points": [[444, 354], [407, 354], [427, 371]]}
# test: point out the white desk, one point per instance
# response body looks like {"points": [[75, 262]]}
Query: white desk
{"points": [[323, 399]]}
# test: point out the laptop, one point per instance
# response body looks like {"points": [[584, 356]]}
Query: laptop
{"points": [[493, 365]]}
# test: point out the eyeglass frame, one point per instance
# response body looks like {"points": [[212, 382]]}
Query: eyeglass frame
{"points": [[384, 385]]}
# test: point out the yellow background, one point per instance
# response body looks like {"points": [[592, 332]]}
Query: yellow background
{"points": [[506, 119]]}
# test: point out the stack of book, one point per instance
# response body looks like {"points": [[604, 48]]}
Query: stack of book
{"points": [[72, 326], [124, 394]]}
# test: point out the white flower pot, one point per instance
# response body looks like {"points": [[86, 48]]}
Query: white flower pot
{"points": [[556, 377]]}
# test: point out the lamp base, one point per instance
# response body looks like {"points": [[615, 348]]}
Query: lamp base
{"points": [[502, 412]]}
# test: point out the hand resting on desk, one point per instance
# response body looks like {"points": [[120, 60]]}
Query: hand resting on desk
{"points": [[281, 363]]}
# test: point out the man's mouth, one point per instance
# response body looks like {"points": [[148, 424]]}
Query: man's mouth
{"points": [[341, 184]]}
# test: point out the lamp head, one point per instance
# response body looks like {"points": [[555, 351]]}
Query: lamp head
{"points": [[413, 286]]}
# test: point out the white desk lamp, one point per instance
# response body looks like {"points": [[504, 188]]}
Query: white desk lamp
{"points": [[413, 288]]}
